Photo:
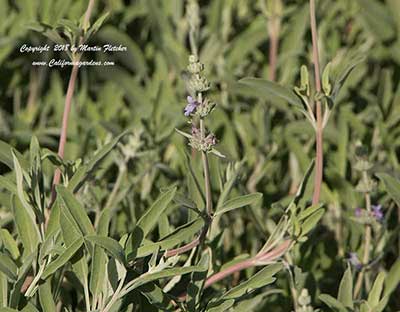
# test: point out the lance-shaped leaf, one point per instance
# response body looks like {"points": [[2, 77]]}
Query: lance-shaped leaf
{"points": [[27, 230], [178, 236], [19, 177], [97, 276], [166, 273], [392, 186], [6, 156], [9, 243], [46, 297], [345, 294], [63, 258], [76, 209], [150, 218], [110, 245], [260, 279], [341, 76], [8, 267], [87, 170], [374, 295], [238, 202], [393, 278], [197, 281], [269, 90], [333, 303]]}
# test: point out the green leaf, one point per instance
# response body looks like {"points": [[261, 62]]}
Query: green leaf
{"points": [[8, 184], [156, 296], [238, 202], [195, 287], [133, 58], [309, 211], [392, 186], [311, 221], [345, 294], [46, 297], [392, 278], [6, 156], [3, 289], [258, 280], [376, 291], [147, 222], [47, 31], [178, 236], [71, 233], [325, 79], [5, 309], [267, 89], [29, 308], [27, 230], [53, 223], [110, 245], [97, 276], [377, 18], [20, 190], [221, 306], [8, 267], [9, 243], [341, 76], [76, 209], [88, 169], [97, 24], [332, 303], [305, 184], [166, 273], [62, 259]]}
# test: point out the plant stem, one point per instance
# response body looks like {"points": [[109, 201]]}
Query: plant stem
{"points": [[319, 129], [116, 187], [65, 119], [117, 294], [273, 30], [259, 259], [293, 289], [206, 169], [367, 243], [67, 104]]}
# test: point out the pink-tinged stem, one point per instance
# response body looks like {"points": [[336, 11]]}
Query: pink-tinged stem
{"points": [[274, 27], [259, 259], [319, 130], [229, 271], [180, 250], [67, 104], [64, 127]]}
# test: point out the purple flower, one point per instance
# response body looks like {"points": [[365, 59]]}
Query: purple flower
{"points": [[191, 106], [354, 261], [358, 212], [377, 212], [195, 130]]}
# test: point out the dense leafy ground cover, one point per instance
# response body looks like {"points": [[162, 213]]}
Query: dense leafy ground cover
{"points": [[190, 175]]}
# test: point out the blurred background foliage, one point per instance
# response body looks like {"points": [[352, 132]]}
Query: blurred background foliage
{"points": [[268, 145]]}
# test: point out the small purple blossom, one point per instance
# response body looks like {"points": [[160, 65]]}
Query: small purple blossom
{"points": [[191, 106], [377, 212], [211, 139], [354, 261], [195, 130], [358, 212]]}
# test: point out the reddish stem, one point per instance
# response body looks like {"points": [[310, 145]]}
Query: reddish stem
{"points": [[319, 130], [180, 250], [67, 104], [64, 127], [259, 259], [273, 30]]}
